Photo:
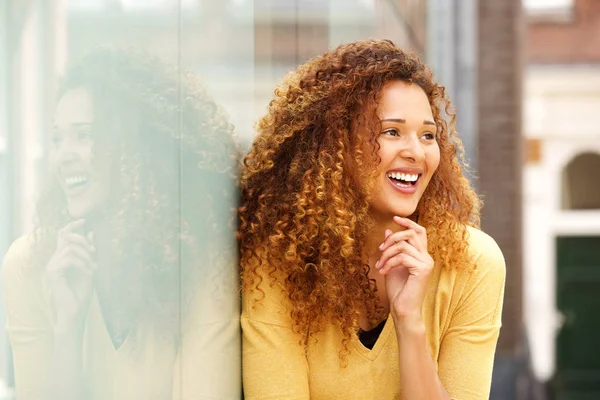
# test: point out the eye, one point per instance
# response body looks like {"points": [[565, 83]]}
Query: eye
{"points": [[391, 132], [429, 136], [84, 134]]}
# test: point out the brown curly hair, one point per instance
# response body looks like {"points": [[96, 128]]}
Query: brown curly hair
{"points": [[306, 183], [173, 170]]}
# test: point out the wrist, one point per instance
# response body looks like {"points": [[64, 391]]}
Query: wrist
{"points": [[409, 325]]}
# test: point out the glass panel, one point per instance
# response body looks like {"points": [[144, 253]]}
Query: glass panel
{"points": [[119, 154]]}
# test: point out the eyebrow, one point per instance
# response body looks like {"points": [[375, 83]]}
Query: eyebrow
{"points": [[403, 121]]}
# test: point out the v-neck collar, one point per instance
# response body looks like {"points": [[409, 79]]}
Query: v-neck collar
{"points": [[98, 314], [372, 354]]}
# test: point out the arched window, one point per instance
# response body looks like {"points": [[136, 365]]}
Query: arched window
{"points": [[581, 183]]}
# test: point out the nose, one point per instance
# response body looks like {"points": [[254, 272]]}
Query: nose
{"points": [[412, 149], [68, 150]]}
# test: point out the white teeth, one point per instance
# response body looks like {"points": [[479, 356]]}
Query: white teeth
{"points": [[76, 179], [404, 177]]}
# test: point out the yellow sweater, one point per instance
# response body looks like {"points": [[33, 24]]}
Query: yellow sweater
{"points": [[205, 365], [462, 313]]}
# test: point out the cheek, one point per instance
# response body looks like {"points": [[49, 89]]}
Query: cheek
{"points": [[385, 154], [433, 159], [87, 153], [53, 163]]}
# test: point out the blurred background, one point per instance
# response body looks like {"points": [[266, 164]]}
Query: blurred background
{"points": [[523, 75]]}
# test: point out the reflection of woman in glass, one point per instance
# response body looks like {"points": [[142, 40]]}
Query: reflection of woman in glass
{"points": [[364, 275], [128, 288]]}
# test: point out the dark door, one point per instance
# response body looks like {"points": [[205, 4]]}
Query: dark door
{"points": [[578, 297]]}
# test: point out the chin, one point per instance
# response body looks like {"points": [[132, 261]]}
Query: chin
{"points": [[404, 212], [76, 213]]}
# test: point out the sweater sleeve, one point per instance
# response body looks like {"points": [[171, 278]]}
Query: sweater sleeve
{"points": [[208, 364], [274, 360], [467, 348], [28, 324]]}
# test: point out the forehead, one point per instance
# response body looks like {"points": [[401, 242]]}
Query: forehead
{"points": [[74, 107], [403, 100]]}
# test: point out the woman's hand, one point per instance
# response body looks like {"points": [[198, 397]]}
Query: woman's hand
{"points": [[70, 274], [407, 266]]}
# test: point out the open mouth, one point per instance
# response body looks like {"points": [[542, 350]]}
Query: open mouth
{"points": [[403, 180], [74, 182]]}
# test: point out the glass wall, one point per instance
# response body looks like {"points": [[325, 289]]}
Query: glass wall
{"points": [[121, 123]]}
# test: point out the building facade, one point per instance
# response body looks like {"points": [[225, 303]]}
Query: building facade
{"points": [[561, 197]]}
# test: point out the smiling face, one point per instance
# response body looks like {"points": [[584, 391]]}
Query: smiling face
{"points": [[409, 151], [72, 154]]}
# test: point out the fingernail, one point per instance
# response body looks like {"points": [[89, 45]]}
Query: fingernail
{"points": [[381, 246], [376, 263]]}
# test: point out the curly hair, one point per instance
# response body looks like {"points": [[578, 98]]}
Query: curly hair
{"points": [[306, 185], [173, 162]]}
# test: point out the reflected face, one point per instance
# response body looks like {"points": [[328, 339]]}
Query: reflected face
{"points": [[409, 151], [72, 154]]}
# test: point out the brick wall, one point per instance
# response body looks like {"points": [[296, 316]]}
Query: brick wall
{"points": [[499, 147], [572, 41]]}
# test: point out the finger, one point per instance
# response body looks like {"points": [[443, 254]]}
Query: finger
{"points": [[400, 247], [421, 232], [71, 261], [409, 224], [402, 260], [78, 240], [406, 235], [81, 265], [81, 254], [73, 226]]}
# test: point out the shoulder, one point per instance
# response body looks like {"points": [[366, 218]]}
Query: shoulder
{"points": [[18, 256], [266, 298], [24, 258], [485, 254]]}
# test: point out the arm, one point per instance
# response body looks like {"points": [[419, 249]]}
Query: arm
{"points": [[274, 361], [418, 373], [467, 348], [69, 275], [66, 374], [407, 265]]}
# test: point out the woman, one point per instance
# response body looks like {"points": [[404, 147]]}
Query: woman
{"points": [[364, 276], [127, 289]]}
